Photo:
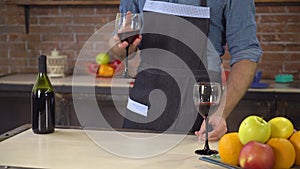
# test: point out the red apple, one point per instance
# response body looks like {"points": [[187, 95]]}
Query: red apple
{"points": [[256, 155], [115, 63]]}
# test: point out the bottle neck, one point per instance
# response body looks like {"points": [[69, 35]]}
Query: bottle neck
{"points": [[42, 64], [42, 74], [42, 81]]}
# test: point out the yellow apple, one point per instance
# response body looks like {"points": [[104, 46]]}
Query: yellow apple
{"points": [[281, 127]]}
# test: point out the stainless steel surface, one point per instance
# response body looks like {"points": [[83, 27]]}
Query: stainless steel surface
{"points": [[14, 132], [295, 85], [218, 162]]}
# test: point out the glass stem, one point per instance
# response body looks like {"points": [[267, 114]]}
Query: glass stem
{"points": [[206, 146], [126, 63]]}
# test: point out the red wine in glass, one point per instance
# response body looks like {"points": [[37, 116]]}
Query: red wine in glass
{"points": [[128, 26], [205, 107], [129, 36], [206, 98]]}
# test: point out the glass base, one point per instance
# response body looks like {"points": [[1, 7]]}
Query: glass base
{"points": [[206, 152], [126, 76]]}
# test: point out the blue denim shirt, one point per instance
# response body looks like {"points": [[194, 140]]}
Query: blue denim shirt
{"points": [[231, 22]]}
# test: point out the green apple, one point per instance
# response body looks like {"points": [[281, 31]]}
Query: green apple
{"points": [[102, 58], [254, 128]]}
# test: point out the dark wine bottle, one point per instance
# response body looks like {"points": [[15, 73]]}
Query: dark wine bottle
{"points": [[43, 101]]}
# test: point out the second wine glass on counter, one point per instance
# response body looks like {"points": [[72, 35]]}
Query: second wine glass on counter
{"points": [[128, 27], [206, 97]]}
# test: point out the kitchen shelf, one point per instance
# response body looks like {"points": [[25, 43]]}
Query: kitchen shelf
{"points": [[43, 3], [27, 3], [95, 2]]}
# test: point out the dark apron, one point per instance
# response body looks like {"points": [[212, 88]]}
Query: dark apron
{"points": [[168, 96]]}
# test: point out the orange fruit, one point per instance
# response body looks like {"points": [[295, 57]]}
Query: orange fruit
{"points": [[284, 151], [230, 147], [295, 140]]}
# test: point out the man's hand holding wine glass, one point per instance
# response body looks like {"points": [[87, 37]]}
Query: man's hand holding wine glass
{"points": [[127, 28], [218, 124], [207, 97], [119, 49], [219, 128]]}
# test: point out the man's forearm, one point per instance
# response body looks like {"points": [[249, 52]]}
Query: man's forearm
{"points": [[240, 78]]}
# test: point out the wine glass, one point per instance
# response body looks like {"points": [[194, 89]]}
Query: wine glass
{"points": [[206, 97], [128, 26]]}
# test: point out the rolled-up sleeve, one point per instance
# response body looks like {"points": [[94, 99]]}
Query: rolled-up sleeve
{"points": [[241, 31]]}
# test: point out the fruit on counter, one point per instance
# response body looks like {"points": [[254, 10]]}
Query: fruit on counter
{"points": [[284, 151], [115, 63], [104, 67], [105, 71], [254, 128], [229, 148], [93, 68], [255, 135], [295, 140], [281, 127], [256, 155], [102, 58]]}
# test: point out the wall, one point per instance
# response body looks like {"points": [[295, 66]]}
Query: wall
{"points": [[65, 28], [68, 27], [279, 35]]}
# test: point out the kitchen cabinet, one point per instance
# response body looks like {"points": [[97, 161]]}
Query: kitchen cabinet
{"points": [[289, 106], [14, 110], [268, 103], [247, 107], [15, 93], [66, 113], [15, 100]]}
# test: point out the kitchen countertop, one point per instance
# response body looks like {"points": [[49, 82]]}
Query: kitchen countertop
{"points": [[26, 81], [74, 148], [277, 87], [80, 80]]}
